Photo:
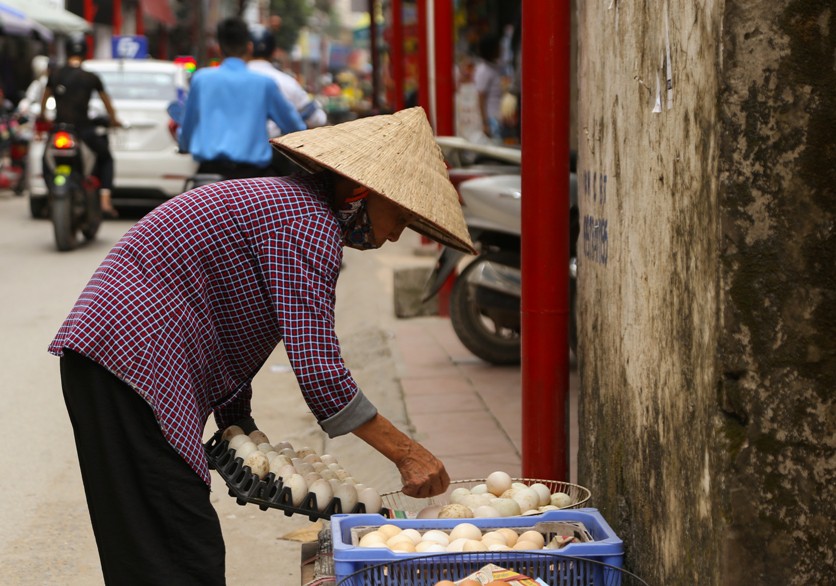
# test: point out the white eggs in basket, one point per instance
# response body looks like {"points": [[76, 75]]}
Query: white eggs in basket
{"points": [[298, 489]]}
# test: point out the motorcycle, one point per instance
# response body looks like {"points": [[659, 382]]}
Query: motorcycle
{"points": [[72, 186], [12, 153], [485, 298]]}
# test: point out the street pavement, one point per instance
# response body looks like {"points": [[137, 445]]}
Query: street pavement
{"points": [[414, 370]]}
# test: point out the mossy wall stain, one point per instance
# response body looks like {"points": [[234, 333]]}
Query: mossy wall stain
{"points": [[707, 346]]}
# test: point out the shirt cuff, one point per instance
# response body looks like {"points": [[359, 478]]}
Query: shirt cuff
{"points": [[356, 413]]}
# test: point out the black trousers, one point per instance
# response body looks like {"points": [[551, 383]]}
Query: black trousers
{"points": [[151, 515]]}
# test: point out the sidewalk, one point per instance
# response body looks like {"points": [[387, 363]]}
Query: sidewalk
{"points": [[464, 410]]}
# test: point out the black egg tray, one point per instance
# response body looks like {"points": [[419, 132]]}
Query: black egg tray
{"points": [[268, 492]]}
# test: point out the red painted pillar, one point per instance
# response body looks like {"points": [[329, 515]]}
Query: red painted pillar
{"points": [[374, 49], [423, 60], [396, 54], [140, 24], [545, 243], [89, 14], [444, 85], [117, 17]]}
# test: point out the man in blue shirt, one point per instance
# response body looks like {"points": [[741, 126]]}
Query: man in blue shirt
{"points": [[224, 123]]}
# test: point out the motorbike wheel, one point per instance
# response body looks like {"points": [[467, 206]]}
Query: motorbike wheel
{"points": [[480, 334], [92, 214], [63, 223]]}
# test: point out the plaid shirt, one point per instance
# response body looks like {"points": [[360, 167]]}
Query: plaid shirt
{"points": [[190, 303]]}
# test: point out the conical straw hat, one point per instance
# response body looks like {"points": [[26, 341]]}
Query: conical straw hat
{"points": [[394, 155]]}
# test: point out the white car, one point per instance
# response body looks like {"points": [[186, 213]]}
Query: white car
{"points": [[147, 166]]}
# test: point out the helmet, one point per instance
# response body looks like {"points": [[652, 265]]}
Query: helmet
{"points": [[263, 41], [40, 65], [76, 45]]}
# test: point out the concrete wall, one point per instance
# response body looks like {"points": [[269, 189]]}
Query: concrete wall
{"points": [[707, 166]]}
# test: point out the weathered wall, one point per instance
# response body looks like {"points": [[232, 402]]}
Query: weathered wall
{"points": [[707, 150]]}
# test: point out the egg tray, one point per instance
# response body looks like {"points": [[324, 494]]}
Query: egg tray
{"points": [[269, 492]]}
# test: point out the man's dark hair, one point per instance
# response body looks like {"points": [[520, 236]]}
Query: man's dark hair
{"points": [[233, 36]]}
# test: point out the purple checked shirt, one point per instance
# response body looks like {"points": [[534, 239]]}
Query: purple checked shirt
{"points": [[190, 303]]}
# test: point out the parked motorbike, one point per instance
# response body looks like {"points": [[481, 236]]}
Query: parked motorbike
{"points": [[73, 188], [485, 298], [12, 153]]}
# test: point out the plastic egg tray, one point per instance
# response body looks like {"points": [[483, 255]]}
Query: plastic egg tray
{"points": [[269, 492]]}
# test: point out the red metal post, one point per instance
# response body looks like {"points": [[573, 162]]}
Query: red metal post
{"points": [[396, 54], [117, 17], [89, 14], [545, 244], [444, 87], [423, 60], [140, 24], [374, 49]]}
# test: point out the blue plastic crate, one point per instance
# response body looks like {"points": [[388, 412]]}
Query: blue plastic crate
{"points": [[605, 546]]}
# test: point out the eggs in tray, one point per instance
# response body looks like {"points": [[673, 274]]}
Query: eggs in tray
{"points": [[302, 471]]}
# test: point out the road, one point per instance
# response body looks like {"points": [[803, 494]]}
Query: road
{"points": [[45, 535]]}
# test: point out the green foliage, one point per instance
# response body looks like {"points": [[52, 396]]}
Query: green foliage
{"points": [[295, 15]]}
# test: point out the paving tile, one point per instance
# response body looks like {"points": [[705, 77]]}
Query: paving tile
{"points": [[443, 402], [434, 385]]}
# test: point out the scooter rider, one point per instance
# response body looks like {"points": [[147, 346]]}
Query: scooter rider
{"points": [[73, 87], [225, 120]]}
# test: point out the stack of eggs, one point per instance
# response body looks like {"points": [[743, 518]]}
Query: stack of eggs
{"points": [[498, 496], [302, 471], [463, 537]]}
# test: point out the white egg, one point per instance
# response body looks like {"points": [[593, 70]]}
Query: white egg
{"points": [[359, 487], [245, 450], [458, 494], [474, 545], [430, 512], [534, 537], [506, 507], [311, 477], [238, 440], [348, 497], [403, 546], [471, 501], [231, 432], [370, 498], [302, 467], [430, 547], [436, 536], [468, 530], [271, 455], [319, 466], [546, 508], [479, 489], [527, 499], [342, 474], [498, 547], [278, 460], [510, 535], [485, 511], [494, 537], [259, 437], [543, 493], [525, 545], [323, 492], [328, 459], [265, 447], [498, 482], [305, 451], [389, 530], [258, 463], [298, 489], [456, 545], [311, 458], [372, 539], [289, 453], [561, 500], [283, 446], [412, 534], [335, 484], [328, 474], [283, 471]]}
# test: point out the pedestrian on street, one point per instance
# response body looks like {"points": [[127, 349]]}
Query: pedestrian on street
{"points": [[309, 109], [224, 124], [190, 303]]}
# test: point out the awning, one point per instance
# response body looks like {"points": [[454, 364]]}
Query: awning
{"points": [[159, 10], [55, 19], [16, 23]]}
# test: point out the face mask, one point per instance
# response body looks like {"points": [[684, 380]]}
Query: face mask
{"points": [[355, 225]]}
